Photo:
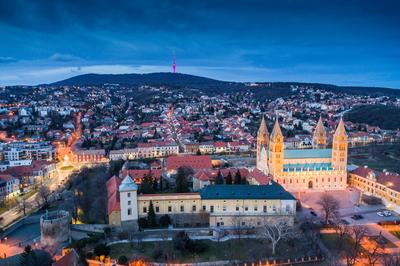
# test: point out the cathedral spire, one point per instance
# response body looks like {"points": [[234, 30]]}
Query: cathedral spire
{"points": [[276, 132], [319, 137], [340, 130], [339, 147], [263, 134]]}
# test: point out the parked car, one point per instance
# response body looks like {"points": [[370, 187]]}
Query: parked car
{"points": [[380, 214], [387, 213], [357, 217], [344, 221], [313, 213]]}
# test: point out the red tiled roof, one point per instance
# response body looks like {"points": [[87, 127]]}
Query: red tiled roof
{"points": [[219, 144], [194, 161], [260, 177], [113, 194], [20, 171], [389, 179], [138, 174], [202, 175], [6, 177], [69, 259], [362, 171]]}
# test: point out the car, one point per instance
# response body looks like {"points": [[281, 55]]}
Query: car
{"points": [[387, 213], [357, 217], [343, 221], [380, 214], [313, 213]]}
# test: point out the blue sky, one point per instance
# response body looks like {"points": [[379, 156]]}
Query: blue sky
{"points": [[338, 42]]}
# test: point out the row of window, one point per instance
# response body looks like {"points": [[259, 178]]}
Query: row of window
{"points": [[211, 208], [304, 181]]}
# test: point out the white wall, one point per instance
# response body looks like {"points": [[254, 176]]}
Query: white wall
{"points": [[124, 199]]}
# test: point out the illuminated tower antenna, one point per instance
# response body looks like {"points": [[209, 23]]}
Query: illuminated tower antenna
{"points": [[173, 64]]}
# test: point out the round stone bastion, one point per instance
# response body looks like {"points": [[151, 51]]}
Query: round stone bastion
{"points": [[55, 227]]}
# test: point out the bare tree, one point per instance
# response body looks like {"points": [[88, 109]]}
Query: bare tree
{"points": [[342, 235], [330, 207], [38, 200], [375, 252], [23, 205], [237, 225], [353, 250], [44, 193], [275, 233]]}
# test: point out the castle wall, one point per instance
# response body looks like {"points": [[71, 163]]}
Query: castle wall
{"points": [[55, 227]]}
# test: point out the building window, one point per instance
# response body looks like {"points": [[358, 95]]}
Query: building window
{"points": [[237, 208], [157, 209], [265, 209], [243, 223], [129, 202], [204, 208], [255, 208], [224, 208], [182, 208], [129, 211], [194, 208], [144, 210], [246, 208], [169, 209], [274, 208], [211, 208], [129, 194]]}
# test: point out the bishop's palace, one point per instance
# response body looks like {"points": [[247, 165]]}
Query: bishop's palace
{"points": [[317, 169]]}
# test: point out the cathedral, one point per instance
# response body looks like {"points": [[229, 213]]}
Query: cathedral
{"points": [[297, 170]]}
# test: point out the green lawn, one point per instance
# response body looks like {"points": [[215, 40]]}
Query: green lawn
{"points": [[386, 243], [331, 241], [244, 249], [67, 167]]}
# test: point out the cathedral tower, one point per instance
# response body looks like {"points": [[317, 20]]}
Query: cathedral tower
{"points": [[319, 137], [276, 150], [262, 147], [339, 147]]}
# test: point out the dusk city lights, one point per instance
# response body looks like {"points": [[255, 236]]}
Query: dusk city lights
{"points": [[199, 133]]}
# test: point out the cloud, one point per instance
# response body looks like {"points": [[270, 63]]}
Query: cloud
{"points": [[57, 57], [241, 39], [7, 59]]}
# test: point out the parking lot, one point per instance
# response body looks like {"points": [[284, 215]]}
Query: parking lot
{"points": [[349, 206]]}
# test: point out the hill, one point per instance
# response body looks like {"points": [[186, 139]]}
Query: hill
{"points": [[208, 85], [383, 116], [170, 79]]}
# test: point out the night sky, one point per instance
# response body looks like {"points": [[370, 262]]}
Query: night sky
{"points": [[337, 42]]}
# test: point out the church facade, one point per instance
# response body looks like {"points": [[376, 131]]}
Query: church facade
{"points": [[297, 170]]}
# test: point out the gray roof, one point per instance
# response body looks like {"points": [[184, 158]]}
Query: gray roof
{"points": [[272, 191], [128, 184]]}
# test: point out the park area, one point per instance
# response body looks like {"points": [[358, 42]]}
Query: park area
{"points": [[207, 250]]}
